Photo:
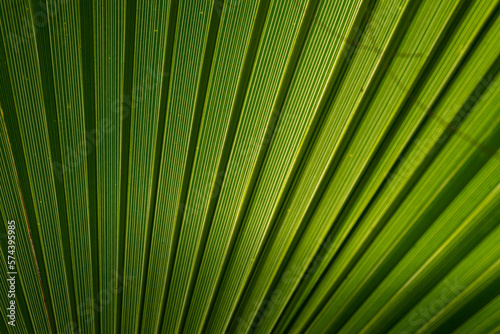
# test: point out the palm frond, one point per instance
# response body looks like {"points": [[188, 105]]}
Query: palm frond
{"points": [[250, 166]]}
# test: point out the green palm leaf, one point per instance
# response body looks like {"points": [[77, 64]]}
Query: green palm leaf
{"points": [[241, 166]]}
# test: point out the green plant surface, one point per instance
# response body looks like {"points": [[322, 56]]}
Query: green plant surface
{"points": [[425, 102], [250, 166], [145, 114], [447, 162], [20, 325], [481, 322], [220, 116], [109, 49], [259, 117], [65, 43], [285, 150], [30, 111], [11, 205], [453, 290], [399, 179], [315, 172], [298, 207]]}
